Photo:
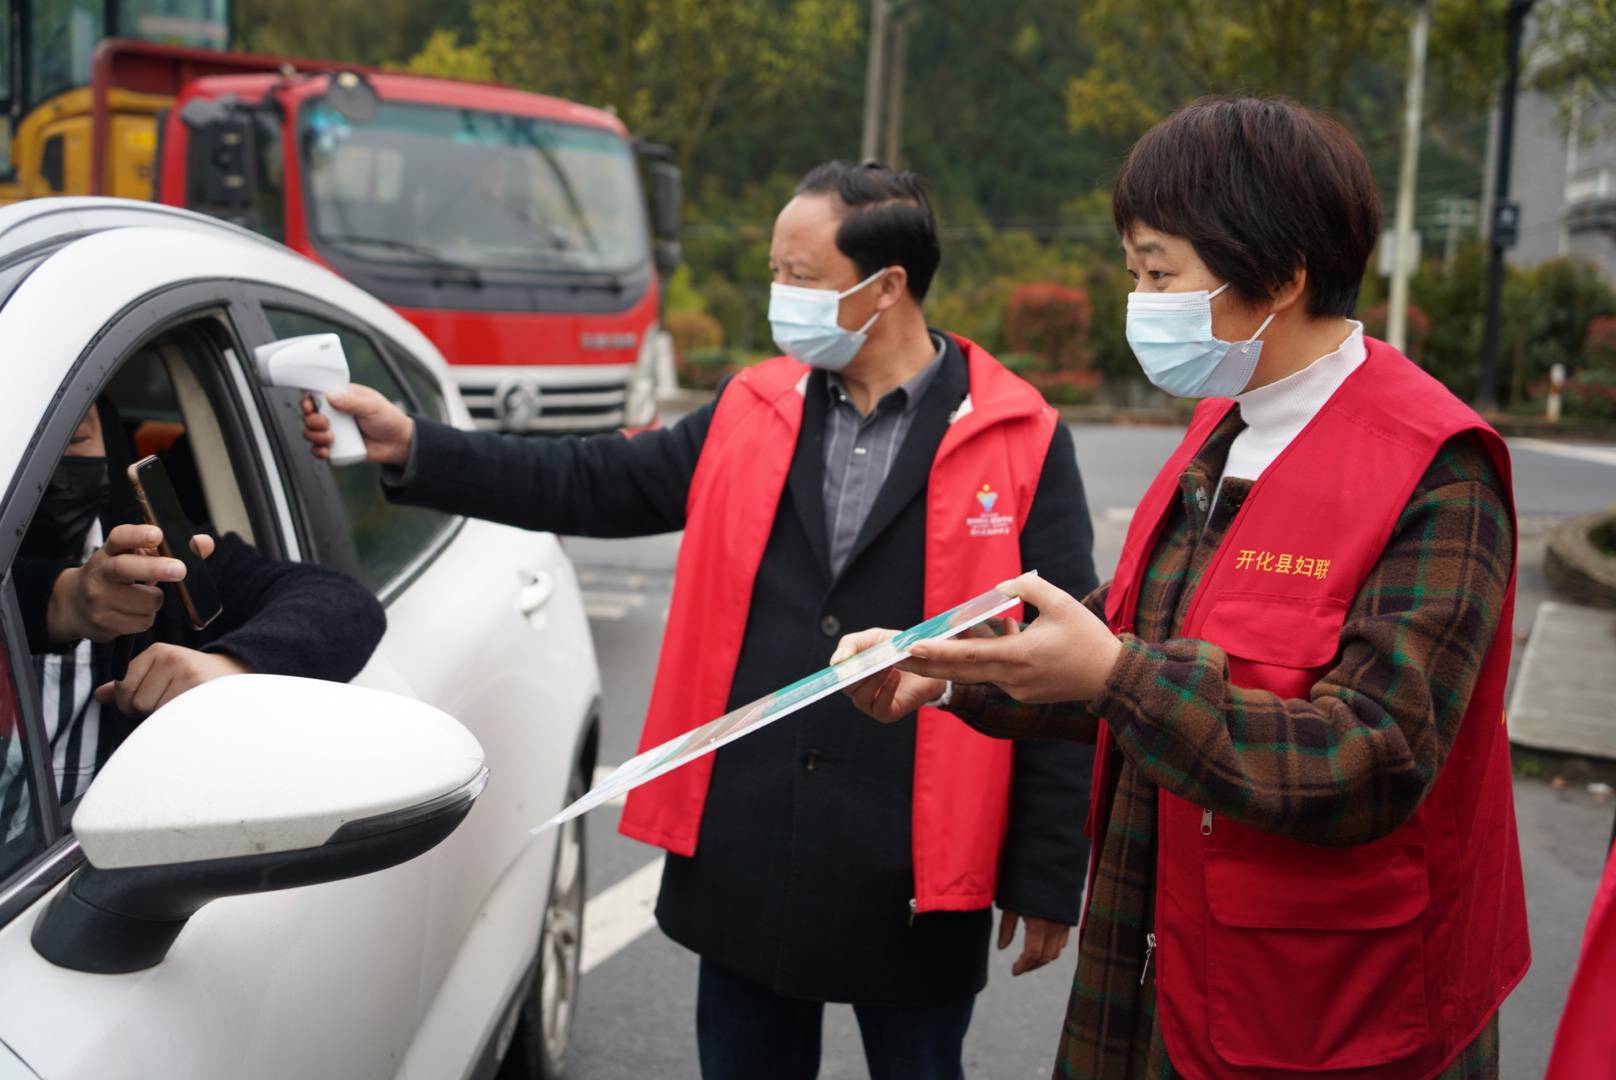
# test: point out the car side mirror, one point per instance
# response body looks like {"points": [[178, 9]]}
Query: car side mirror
{"points": [[247, 784]]}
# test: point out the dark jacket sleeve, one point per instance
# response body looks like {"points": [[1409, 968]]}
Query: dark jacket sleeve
{"points": [[35, 580], [285, 618], [1045, 854], [600, 485]]}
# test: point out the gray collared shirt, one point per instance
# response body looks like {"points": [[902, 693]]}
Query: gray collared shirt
{"points": [[860, 450]]}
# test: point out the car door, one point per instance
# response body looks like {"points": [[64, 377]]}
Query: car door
{"points": [[485, 622], [318, 981]]}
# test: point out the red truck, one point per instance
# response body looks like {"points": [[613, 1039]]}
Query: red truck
{"points": [[511, 227]]}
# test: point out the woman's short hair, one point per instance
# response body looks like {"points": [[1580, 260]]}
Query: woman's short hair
{"points": [[1262, 187], [889, 221]]}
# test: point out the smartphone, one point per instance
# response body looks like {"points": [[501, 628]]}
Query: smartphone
{"points": [[161, 508]]}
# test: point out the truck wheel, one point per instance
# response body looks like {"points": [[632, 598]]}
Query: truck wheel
{"points": [[538, 1048]]}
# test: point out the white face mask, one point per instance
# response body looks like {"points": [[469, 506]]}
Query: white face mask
{"points": [[1171, 335], [805, 324]]}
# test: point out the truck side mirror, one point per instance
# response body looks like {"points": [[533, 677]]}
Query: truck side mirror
{"points": [[221, 165], [667, 200]]}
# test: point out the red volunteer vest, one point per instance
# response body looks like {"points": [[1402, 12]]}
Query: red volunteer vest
{"points": [[1277, 958], [981, 487], [1585, 1048]]}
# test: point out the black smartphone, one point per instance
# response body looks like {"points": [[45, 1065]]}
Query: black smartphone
{"points": [[161, 507]]}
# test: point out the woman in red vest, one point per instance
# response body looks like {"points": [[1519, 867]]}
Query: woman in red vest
{"points": [[1305, 849]]}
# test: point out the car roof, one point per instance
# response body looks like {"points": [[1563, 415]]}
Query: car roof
{"points": [[94, 257]]}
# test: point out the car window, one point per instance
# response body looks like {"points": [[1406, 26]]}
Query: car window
{"points": [[22, 831], [428, 394], [387, 538]]}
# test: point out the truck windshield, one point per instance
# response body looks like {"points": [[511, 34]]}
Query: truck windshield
{"points": [[421, 183]]}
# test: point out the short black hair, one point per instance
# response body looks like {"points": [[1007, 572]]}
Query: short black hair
{"points": [[1262, 187], [889, 220]]}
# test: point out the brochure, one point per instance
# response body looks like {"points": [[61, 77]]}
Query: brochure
{"points": [[771, 707]]}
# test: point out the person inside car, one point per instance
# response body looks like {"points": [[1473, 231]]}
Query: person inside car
{"points": [[88, 575]]}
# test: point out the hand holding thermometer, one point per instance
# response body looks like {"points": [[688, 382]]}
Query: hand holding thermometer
{"points": [[315, 362]]}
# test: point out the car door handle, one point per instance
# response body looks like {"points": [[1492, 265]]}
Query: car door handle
{"points": [[536, 591]]}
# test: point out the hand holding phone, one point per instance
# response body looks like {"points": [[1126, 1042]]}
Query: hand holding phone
{"points": [[161, 508]]}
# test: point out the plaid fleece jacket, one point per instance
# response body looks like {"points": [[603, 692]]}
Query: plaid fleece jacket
{"points": [[1388, 713]]}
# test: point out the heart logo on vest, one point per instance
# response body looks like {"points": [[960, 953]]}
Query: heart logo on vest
{"points": [[987, 523]]}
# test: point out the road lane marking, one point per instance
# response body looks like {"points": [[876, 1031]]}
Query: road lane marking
{"points": [[620, 915], [1119, 515], [1596, 455]]}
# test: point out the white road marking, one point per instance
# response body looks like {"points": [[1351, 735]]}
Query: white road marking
{"points": [[1119, 515], [618, 916], [1597, 455]]}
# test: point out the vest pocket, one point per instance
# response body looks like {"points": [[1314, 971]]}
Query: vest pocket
{"points": [[1293, 632], [1315, 959]]}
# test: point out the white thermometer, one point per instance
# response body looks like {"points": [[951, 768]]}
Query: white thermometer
{"points": [[316, 363]]}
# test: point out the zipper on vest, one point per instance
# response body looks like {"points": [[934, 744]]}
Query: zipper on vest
{"points": [[1150, 950], [1206, 823], [913, 908]]}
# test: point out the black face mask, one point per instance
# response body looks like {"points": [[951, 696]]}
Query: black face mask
{"points": [[77, 491]]}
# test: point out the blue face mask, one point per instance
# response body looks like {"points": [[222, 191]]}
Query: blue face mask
{"points": [[805, 326], [1171, 335]]}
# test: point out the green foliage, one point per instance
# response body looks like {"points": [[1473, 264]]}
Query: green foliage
{"points": [[373, 32], [1316, 53], [694, 332], [1573, 57], [681, 294], [444, 56], [675, 70]]}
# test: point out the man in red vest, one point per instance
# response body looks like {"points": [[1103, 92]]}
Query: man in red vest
{"points": [[1306, 856], [879, 472]]}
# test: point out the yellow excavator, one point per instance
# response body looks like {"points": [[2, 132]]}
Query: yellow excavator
{"points": [[82, 83]]}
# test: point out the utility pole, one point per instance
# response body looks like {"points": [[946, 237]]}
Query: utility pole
{"points": [[1505, 214], [1407, 176], [897, 71], [873, 79]]}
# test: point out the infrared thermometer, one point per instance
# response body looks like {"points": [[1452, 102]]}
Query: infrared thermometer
{"points": [[316, 363]]}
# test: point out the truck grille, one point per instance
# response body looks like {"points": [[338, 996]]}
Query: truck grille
{"points": [[555, 410]]}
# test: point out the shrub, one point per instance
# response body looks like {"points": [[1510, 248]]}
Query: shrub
{"points": [[1022, 363], [1599, 343], [1066, 387], [693, 331], [1418, 322], [1051, 321], [1591, 394], [704, 368]]}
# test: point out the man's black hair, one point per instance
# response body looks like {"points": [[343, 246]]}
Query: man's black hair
{"points": [[888, 219]]}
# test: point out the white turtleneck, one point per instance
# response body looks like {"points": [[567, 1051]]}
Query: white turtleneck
{"points": [[1275, 414]]}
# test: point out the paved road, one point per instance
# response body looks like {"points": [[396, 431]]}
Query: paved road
{"points": [[637, 1010]]}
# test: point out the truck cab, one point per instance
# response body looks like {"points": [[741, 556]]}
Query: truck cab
{"points": [[509, 227]]}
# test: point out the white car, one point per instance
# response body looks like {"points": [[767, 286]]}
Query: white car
{"points": [[462, 962]]}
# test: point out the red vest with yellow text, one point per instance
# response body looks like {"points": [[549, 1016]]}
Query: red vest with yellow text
{"points": [[998, 439], [1276, 958]]}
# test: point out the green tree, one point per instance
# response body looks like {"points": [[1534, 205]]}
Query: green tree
{"points": [[363, 31], [1573, 58], [678, 71], [1346, 56]]}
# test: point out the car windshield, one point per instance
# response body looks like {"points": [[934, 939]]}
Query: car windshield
{"points": [[430, 185]]}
